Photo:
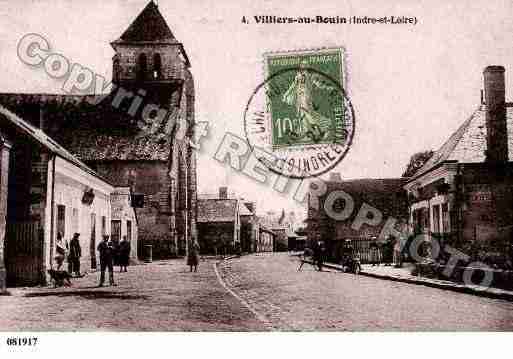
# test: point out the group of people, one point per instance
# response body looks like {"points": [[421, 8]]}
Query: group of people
{"points": [[71, 251], [111, 253], [387, 252]]}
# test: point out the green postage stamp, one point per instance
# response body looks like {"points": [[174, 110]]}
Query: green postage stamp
{"points": [[306, 105], [300, 116]]}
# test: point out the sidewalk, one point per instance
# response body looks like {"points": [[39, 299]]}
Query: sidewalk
{"points": [[403, 275]]}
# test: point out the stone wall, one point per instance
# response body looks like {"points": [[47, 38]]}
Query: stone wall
{"points": [[156, 219], [172, 66]]}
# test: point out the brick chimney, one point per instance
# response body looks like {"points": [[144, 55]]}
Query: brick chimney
{"points": [[223, 192], [496, 125]]}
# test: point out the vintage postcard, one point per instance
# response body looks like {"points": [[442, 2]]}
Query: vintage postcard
{"points": [[255, 167]]}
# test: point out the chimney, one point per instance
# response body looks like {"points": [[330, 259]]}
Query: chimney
{"points": [[223, 192], [496, 125], [335, 177]]}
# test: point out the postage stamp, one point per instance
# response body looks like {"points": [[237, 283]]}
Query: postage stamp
{"points": [[301, 113]]}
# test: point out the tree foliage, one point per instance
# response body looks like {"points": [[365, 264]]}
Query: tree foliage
{"points": [[416, 162]]}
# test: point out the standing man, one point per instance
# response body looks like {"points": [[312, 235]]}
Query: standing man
{"points": [[193, 255], [124, 254], [106, 250], [75, 252], [319, 255]]}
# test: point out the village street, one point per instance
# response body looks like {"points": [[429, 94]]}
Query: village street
{"points": [[252, 293]]}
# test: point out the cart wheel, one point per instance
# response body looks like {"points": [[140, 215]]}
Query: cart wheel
{"points": [[357, 269]]}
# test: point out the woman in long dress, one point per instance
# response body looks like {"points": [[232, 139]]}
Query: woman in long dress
{"points": [[193, 255]]}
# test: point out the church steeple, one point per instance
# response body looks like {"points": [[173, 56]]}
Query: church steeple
{"points": [[148, 26], [148, 56]]}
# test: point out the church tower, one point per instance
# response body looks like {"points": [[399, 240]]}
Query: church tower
{"points": [[149, 58], [151, 63]]}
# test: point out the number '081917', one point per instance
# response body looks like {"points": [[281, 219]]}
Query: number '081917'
{"points": [[21, 341]]}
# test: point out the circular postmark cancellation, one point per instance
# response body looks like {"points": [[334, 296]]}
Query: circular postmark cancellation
{"points": [[299, 121]]}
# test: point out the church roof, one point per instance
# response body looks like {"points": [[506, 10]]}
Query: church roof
{"points": [[43, 139], [91, 132], [468, 143], [149, 26]]}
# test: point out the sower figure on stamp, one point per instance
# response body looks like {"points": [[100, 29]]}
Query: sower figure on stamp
{"points": [[106, 250], [300, 94], [75, 252]]}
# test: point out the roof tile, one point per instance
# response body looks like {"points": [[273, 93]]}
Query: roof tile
{"points": [[468, 143]]}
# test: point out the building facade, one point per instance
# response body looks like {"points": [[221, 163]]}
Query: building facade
{"points": [[45, 191], [265, 241], [384, 196], [229, 224], [219, 224], [463, 195]]}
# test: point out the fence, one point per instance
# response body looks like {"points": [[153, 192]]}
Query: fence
{"points": [[361, 247], [24, 248]]}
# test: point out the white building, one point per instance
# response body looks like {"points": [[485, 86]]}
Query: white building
{"points": [[45, 190]]}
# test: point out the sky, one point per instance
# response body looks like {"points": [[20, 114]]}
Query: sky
{"points": [[410, 86]]}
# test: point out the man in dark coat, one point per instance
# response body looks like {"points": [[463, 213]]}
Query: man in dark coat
{"points": [[75, 252], [124, 254], [318, 255], [106, 250]]}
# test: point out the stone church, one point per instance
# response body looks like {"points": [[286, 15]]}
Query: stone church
{"points": [[127, 144]]}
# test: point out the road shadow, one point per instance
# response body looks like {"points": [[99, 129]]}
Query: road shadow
{"points": [[88, 294]]}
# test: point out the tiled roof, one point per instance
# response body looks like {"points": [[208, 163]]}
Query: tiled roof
{"points": [[385, 194], [92, 132], [217, 210], [468, 143], [43, 139], [149, 25]]}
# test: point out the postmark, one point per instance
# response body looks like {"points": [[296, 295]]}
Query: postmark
{"points": [[300, 116]]}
